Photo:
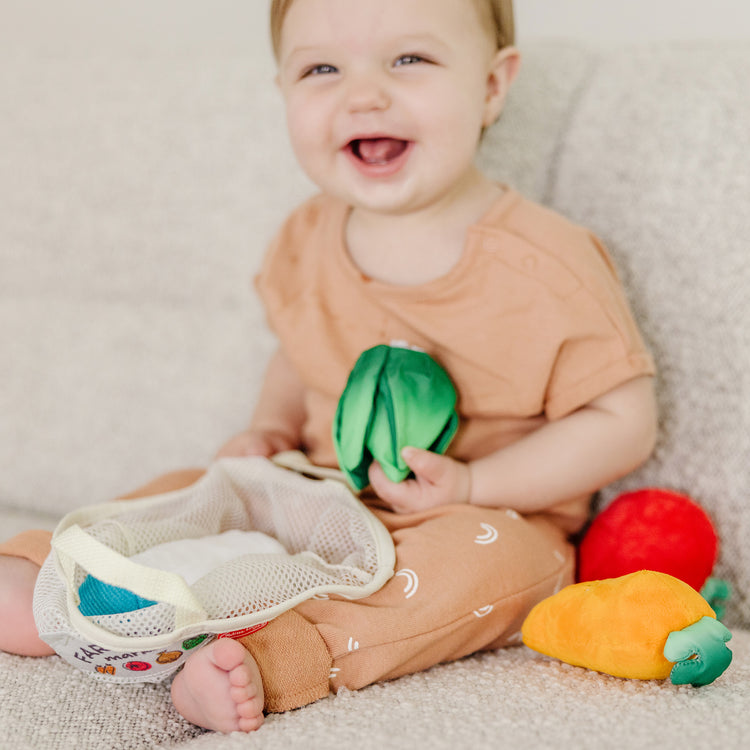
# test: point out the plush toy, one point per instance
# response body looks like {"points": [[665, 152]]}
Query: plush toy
{"points": [[650, 529], [395, 397], [637, 612], [645, 625]]}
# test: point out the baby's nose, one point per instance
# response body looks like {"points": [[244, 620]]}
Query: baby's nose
{"points": [[367, 93]]}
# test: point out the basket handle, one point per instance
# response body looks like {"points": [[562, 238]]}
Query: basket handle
{"points": [[74, 546]]}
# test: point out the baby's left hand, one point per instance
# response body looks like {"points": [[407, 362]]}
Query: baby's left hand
{"points": [[438, 480]]}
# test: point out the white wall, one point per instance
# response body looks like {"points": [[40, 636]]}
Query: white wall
{"points": [[232, 26], [83, 27], [634, 20]]}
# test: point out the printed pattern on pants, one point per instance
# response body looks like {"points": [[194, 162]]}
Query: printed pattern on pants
{"points": [[465, 579]]}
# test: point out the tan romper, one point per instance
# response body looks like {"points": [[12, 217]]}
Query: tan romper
{"points": [[531, 324]]}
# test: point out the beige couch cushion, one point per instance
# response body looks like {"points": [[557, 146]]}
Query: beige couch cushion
{"points": [[139, 195]]}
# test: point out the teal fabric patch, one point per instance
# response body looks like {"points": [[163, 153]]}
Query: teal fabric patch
{"points": [[99, 598]]}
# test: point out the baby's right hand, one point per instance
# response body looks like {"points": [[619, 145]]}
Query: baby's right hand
{"points": [[256, 443]]}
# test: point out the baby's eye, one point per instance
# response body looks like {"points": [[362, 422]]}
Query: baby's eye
{"points": [[408, 60], [318, 70]]}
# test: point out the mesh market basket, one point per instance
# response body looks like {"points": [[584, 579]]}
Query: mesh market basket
{"points": [[332, 546]]}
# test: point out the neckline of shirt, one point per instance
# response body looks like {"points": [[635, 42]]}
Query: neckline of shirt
{"points": [[474, 234]]}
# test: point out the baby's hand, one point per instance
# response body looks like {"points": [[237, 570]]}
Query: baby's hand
{"points": [[438, 480], [256, 443]]}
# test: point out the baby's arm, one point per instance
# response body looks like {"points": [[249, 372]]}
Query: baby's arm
{"points": [[276, 424], [571, 457]]}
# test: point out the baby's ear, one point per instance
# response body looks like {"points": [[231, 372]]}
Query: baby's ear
{"points": [[503, 71]]}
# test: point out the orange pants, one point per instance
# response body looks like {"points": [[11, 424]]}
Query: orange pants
{"points": [[466, 577]]}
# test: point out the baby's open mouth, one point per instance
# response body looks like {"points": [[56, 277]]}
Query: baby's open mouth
{"points": [[377, 151]]}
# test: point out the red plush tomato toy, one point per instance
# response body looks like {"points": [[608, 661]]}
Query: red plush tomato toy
{"points": [[650, 529]]}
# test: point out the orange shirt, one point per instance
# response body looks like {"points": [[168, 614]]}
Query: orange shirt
{"points": [[531, 324]]}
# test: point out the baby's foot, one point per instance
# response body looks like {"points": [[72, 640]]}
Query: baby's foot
{"points": [[220, 688]]}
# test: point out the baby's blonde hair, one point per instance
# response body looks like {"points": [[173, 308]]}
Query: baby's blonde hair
{"points": [[498, 14]]}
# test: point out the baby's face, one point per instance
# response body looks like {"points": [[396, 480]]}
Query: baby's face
{"points": [[386, 99]]}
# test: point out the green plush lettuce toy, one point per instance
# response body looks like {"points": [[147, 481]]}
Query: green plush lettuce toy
{"points": [[395, 397]]}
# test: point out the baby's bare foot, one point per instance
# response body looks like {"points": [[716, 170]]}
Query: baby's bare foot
{"points": [[220, 688]]}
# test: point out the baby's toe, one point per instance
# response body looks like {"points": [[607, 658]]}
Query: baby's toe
{"points": [[249, 709], [251, 724], [240, 676], [242, 695], [228, 654]]}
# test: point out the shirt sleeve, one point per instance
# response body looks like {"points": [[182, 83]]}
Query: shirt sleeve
{"points": [[600, 345], [286, 268]]}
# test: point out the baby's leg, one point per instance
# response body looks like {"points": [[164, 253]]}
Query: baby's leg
{"points": [[18, 633], [466, 577], [220, 688]]}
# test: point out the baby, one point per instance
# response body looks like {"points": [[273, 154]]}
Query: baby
{"points": [[386, 103]]}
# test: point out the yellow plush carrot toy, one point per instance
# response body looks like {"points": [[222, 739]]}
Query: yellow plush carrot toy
{"points": [[645, 625]]}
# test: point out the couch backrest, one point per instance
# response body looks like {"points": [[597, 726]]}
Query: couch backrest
{"points": [[138, 197]]}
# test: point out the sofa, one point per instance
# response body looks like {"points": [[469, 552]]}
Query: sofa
{"points": [[137, 195]]}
